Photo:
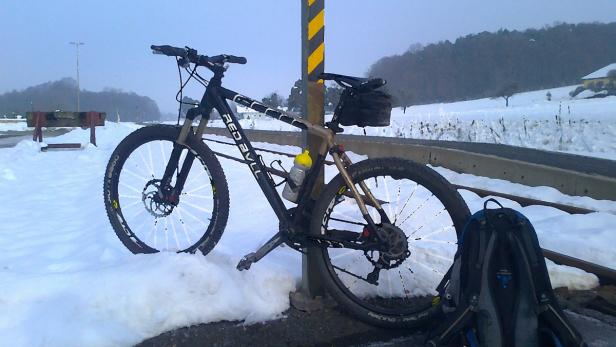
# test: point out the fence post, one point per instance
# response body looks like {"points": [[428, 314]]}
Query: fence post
{"points": [[313, 93], [39, 122]]}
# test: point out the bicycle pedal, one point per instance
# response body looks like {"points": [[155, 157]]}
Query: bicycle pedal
{"points": [[246, 262]]}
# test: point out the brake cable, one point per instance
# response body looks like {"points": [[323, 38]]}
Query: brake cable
{"points": [[180, 94]]}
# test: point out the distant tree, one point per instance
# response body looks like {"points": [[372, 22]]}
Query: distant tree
{"points": [[548, 95], [506, 92], [577, 91], [611, 84], [476, 65], [294, 102], [60, 95], [273, 100], [332, 96], [405, 99], [596, 86]]}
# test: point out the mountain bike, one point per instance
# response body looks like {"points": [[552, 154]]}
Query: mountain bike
{"points": [[385, 229]]}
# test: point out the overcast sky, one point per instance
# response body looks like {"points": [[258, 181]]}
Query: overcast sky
{"points": [[35, 35]]}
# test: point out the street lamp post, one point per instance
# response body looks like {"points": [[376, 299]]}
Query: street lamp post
{"points": [[77, 44]]}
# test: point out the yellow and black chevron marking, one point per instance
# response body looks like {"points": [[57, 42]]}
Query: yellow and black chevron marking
{"points": [[316, 39]]}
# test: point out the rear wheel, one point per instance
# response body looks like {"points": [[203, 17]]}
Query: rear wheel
{"points": [[149, 215], [421, 218]]}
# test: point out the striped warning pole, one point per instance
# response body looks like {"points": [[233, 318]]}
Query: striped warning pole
{"points": [[313, 64], [314, 38]]}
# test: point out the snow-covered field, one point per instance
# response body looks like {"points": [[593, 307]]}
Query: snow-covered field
{"points": [[580, 126], [66, 280], [6, 125]]}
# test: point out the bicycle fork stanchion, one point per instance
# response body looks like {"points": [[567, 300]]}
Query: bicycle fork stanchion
{"points": [[313, 62]]}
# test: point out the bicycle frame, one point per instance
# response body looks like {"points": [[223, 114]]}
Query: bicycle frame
{"points": [[215, 97]]}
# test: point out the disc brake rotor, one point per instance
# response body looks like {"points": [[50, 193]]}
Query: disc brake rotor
{"points": [[154, 204]]}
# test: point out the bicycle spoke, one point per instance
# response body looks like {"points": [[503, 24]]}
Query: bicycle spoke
{"points": [[433, 255], [148, 167], [417, 209], [427, 223], [405, 203], [194, 217], [184, 227], [150, 160], [387, 195], [199, 188], [129, 188], [198, 207], [430, 269], [426, 237], [129, 196]]}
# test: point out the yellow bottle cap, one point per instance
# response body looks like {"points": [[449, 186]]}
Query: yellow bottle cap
{"points": [[304, 159]]}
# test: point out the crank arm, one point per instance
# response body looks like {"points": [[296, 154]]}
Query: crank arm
{"points": [[254, 257]]}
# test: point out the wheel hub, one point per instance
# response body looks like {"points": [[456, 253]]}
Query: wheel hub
{"points": [[395, 247], [158, 202]]}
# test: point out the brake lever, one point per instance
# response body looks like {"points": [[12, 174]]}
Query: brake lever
{"points": [[157, 52]]}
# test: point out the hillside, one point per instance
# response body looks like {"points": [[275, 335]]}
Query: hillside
{"points": [[61, 95], [478, 65]]}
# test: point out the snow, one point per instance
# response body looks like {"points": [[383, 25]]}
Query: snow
{"points": [[66, 280], [579, 126], [12, 125], [601, 73]]}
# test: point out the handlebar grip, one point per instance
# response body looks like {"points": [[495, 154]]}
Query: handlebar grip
{"points": [[226, 58], [169, 50], [236, 60]]}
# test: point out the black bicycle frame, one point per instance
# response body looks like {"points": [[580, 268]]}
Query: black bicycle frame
{"points": [[215, 97]]}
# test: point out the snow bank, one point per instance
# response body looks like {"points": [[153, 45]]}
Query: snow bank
{"points": [[66, 280]]}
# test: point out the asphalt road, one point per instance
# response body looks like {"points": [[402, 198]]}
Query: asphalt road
{"points": [[13, 138], [330, 327]]}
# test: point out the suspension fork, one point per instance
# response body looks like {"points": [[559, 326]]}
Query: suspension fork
{"points": [[180, 142], [342, 161]]}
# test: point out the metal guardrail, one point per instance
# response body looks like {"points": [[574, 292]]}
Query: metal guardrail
{"points": [[605, 275], [597, 179]]}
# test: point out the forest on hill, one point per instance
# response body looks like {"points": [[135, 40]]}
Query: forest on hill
{"points": [[481, 65], [61, 95]]}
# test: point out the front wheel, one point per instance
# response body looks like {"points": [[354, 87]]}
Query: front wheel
{"points": [[150, 213], [420, 219]]}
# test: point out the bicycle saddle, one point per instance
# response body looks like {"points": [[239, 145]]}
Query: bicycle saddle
{"points": [[358, 83]]}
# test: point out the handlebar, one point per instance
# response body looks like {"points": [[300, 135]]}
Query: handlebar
{"points": [[192, 56]]}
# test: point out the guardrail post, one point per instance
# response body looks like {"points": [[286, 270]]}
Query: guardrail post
{"points": [[313, 93]]}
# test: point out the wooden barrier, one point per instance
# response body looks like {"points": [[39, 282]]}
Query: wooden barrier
{"points": [[85, 120]]}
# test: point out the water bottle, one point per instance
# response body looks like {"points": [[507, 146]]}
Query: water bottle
{"points": [[301, 165]]}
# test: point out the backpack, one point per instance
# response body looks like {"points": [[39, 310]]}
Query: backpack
{"points": [[498, 293]]}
